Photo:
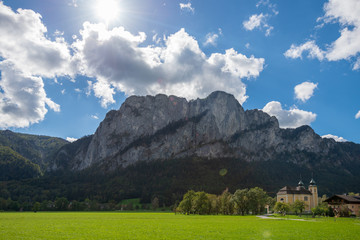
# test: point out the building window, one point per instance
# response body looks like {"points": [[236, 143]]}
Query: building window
{"points": [[281, 199], [305, 198]]}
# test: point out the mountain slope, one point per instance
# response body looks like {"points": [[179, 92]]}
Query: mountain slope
{"points": [[36, 149], [14, 166], [161, 127]]}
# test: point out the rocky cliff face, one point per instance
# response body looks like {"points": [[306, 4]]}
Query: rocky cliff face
{"points": [[168, 127]]}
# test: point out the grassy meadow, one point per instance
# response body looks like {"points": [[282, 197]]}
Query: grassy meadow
{"points": [[135, 225]]}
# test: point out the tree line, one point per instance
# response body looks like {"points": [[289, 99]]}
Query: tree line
{"points": [[243, 201]]}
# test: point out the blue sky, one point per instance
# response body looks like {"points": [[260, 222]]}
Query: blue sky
{"points": [[64, 64]]}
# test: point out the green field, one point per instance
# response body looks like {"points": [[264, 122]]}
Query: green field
{"points": [[116, 225]]}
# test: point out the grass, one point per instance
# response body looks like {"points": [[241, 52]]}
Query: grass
{"points": [[117, 225]]}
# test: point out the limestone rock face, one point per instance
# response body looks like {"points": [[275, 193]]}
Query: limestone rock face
{"points": [[162, 127]]}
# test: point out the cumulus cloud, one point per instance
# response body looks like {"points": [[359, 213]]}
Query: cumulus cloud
{"points": [[70, 139], [253, 22], [292, 118], [305, 91], [258, 21], [357, 116], [261, 20], [357, 64], [187, 7], [26, 56], [347, 45], [24, 44], [310, 47], [268, 4], [336, 138], [211, 39], [23, 99], [119, 61]]}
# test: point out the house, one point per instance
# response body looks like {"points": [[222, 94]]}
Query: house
{"points": [[291, 194], [351, 202]]}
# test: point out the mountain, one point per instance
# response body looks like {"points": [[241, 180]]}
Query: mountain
{"points": [[165, 145], [168, 127], [15, 166], [37, 149]]}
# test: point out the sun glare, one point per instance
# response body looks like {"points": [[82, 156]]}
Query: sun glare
{"points": [[107, 10]]}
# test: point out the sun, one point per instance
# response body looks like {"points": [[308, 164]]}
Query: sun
{"points": [[107, 10]]}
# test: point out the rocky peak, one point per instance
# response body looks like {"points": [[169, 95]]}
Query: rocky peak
{"points": [[147, 128]]}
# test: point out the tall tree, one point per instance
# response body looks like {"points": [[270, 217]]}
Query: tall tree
{"points": [[281, 207], [241, 200], [186, 205], [257, 200], [298, 206]]}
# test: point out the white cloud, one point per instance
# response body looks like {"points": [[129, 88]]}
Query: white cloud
{"points": [[336, 138], [357, 116], [73, 3], [70, 139], [357, 64], [247, 45], [268, 4], [258, 21], [94, 117], [187, 7], [211, 39], [24, 44], [310, 47], [305, 91], [254, 22], [347, 45], [27, 55], [23, 99], [118, 61], [292, 118]]}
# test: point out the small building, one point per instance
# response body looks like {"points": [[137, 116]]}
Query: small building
{"points": [[291, 194], [351, 202]]}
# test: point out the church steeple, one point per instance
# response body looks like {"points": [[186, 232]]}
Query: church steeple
{"points": [[314, 192], [301, 184], [312, 182]]}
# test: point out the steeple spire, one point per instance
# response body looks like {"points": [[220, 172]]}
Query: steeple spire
{"points": [[312, 182], [300, 184]]}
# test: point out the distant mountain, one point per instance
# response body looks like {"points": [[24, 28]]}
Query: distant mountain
{"points": [[216, 132], [14, 166], [165, 145], [161, 127], [37, 149]]}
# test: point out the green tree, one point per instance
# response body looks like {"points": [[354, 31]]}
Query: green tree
{"points": [[186, 205], [36, 206], [154, 203], [281, 207], [226, 203], [298, 206], [241, 201], [201, 204], [271, 202], [257, 200], [61, 204], [214, 204]]}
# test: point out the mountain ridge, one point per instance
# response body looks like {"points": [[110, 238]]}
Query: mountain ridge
{"points": [[160, 127]]}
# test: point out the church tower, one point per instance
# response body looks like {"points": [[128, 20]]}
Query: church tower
{"points": [[314, 191]]}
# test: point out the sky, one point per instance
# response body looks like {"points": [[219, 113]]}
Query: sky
{"points": [[65, 63]]}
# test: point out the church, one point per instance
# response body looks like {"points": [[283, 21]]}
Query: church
{"points": [[291, 194]]}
